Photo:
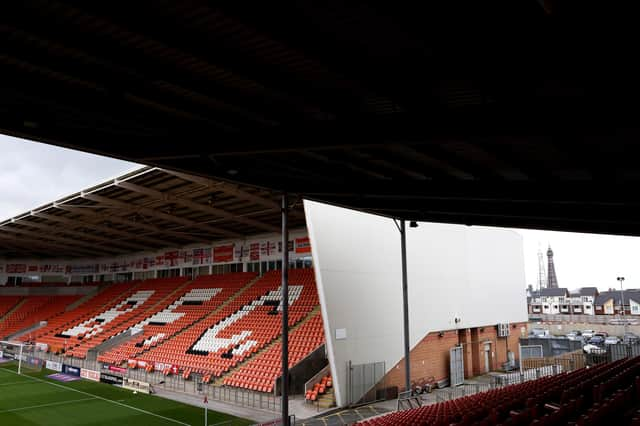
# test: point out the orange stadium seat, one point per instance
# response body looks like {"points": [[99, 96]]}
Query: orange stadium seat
{"points": [[33, 310], [195, 301], [245, 325]]}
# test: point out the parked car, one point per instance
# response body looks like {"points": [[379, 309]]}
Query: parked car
{"points": [[593, 349], [631, 338], [588, 334], [602, 334], [539, 332], [597, 340], [574, 336], [612, 340]]}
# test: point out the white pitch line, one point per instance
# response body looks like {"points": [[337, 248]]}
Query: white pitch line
{"points": [[104, 399], [71, 401]]}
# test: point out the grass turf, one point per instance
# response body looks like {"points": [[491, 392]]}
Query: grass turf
{"points": [[33, 399]]}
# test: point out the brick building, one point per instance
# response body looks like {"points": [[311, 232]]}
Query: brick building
{"points": [[484, 351]]}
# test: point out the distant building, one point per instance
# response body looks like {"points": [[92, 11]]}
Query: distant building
{"points": [[583, 300], [550, 301], [611, 303], [561, 301]]}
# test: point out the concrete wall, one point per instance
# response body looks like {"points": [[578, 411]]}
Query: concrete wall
{"points": [[471, 273]]}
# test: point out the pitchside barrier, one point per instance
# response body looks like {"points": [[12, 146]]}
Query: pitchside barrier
{"points": [[195, 386]]}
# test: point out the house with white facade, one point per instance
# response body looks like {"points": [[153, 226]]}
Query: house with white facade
{"points": [[550, 301], [582, 301]]}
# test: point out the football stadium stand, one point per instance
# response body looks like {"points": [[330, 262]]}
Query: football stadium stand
{"points": [[240, 329], [221, 326], [589, 396]]}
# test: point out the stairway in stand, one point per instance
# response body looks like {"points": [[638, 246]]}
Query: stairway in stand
{"points": [[12, 310], [327, 399], [218, 381]]}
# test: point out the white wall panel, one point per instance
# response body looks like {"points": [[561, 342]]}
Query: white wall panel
{"points": [[474, 273]]}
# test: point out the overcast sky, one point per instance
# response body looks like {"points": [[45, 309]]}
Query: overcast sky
{"points": [[33, 174]]}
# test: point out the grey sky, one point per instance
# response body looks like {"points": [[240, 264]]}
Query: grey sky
{"points": [[584, 259], [33, 174]]}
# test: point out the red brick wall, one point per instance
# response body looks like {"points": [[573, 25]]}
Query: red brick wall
{"points": [[430, 357]]}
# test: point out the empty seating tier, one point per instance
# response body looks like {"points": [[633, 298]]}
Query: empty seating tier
{"points": [[240, 329], [147, 298], [7, 303], [260, 373], [607, 393], [198, 299], [93, 306], [33, 310]]}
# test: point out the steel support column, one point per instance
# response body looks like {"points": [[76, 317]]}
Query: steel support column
{"points": [[405, 305], [285, 310]]}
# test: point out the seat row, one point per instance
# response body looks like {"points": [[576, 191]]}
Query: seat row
{"points": [[240, 329], [584, 397], [197, 300]]}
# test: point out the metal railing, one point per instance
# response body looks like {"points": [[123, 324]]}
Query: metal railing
{"points": [[463, 390], [195, 386], [176, 383]]}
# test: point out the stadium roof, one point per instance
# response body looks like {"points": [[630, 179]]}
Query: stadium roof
{"points": [[510, 113], [145, 210]]}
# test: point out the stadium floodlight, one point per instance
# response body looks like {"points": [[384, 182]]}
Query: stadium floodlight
{"points": [[15, 350]]}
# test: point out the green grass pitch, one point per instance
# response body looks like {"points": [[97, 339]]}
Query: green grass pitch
{"points": [[31, 399]]}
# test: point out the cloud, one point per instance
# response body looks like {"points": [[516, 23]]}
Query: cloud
{"points": [[33, 174]]}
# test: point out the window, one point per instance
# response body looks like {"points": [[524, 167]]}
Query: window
{"points": [[561, 299], [587, 308], [555, 306], [635, 308], [169, 273]]}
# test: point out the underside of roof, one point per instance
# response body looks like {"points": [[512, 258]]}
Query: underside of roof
{"points": [[510, 113], [145, 210]]}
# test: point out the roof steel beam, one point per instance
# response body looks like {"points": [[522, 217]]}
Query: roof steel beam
{"points": [[106, 229], [88, 247], [103, 240], [227, 188], [158, 195], [104, 201], [144, 230], [36, 245]]}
